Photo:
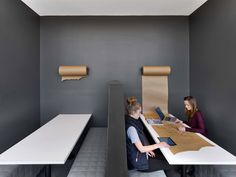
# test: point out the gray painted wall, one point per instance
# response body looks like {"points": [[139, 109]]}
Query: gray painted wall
{"points": [[114, 48], [212, 66], [19, 71]]}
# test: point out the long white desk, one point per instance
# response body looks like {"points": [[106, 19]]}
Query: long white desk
{"points": [[50, 144], [205, 156]]}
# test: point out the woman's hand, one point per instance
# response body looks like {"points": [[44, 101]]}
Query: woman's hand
{"points": [[151, 154], [163, 144], [178, 121], [182, 129]]}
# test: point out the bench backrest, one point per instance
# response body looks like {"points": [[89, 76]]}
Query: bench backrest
{"points": [[116, 155]]}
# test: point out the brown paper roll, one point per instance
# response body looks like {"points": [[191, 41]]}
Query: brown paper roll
{"points": [[72, 72], [156, 70]]}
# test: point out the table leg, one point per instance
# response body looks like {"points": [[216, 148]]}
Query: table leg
{"points": [[183, 171], [48, 171]]}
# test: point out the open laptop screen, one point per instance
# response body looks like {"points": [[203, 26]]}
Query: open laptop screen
{"points": [[160, 113]]}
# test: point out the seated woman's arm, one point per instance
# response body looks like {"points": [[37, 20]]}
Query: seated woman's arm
{"points": [[200, 126], [149, 148], [133, 136]]}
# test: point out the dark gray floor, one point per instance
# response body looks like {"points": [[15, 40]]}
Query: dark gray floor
{"points": [[63, 170]]}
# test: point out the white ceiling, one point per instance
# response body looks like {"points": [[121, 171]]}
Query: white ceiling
{"points": [[114, 7]]}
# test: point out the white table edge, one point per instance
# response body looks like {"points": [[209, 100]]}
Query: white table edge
{"points": [[149, 128]]}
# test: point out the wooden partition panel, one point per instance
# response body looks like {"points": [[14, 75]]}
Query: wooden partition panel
{"points": [[116, 155]]}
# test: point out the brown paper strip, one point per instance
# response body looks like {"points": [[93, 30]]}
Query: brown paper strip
{"points": [[152, 115], [72, 72], [186, 141], [155, 93], [63, 78]]}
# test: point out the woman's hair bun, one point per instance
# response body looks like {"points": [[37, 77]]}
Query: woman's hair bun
{"points": [[131, 100]]}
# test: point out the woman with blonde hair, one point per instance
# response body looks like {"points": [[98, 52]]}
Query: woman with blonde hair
{"points": [[140, 154], [195, 118]]}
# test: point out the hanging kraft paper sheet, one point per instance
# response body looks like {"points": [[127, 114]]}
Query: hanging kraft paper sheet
{"points": [[185, 141], [155, 89]]}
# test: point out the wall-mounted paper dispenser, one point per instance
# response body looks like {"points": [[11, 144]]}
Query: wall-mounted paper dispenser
{"points": [[73, 72], [156, 70]]}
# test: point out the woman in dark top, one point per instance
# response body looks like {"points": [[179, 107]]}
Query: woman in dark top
{"points": [[140, 154], [195, 117]]}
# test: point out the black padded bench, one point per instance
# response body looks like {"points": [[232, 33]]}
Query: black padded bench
{"points": [[116, 159]]}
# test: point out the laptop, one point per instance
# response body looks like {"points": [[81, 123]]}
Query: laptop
{"points": [[153, 121], [163, 117]]}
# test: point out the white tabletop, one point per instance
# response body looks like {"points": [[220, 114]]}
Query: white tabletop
{"points": [[50, 144], [205, 156]]}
